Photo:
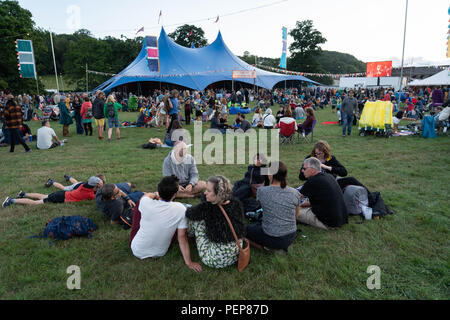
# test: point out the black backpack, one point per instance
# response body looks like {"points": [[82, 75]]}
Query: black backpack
{"points": [[126, 218], [111, 111]]}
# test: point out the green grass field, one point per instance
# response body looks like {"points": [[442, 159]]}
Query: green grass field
{"points": [[49, 82], [411, 247]]}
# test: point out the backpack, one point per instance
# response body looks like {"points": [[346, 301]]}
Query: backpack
{"points": [[111, 110], [126, 218], [88, 113], [64, 228]]}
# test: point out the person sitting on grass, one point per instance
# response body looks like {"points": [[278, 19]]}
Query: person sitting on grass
{"points": [[182, 165], [84, 192], [242, 189], [45, 136], [216, 245], [281, 206], [160, 219], [325, 207], [329, 164]]}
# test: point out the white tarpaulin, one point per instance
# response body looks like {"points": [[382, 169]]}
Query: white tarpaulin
{"points": [[439, 79]]}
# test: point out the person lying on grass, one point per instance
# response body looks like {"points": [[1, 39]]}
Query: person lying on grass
{"points": [[84, 192], [112, 201], [74, 183], [160, 219]]}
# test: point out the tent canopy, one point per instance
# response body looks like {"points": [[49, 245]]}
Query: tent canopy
{"points": [[194, 68], [439, 79]]}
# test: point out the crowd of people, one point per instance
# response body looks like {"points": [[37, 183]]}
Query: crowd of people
{"points": [[272, 207]]}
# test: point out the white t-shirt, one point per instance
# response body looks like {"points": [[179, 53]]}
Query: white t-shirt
{"points": [[269, 120], [159, 221], [44, 137]]}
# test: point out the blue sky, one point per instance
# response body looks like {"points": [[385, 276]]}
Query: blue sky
{"points": [[371, 30]]}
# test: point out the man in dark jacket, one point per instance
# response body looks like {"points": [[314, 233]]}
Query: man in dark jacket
{"points": [[14, 120], [348, 110], [98, 113]]}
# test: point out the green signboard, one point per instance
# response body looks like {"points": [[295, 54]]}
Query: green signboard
{"points": [[25, 56]]}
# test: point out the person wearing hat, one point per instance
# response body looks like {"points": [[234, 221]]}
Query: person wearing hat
{"points": [[84, 192]]}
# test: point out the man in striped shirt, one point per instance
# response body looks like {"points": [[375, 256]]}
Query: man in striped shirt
{"points": [[14, 119]]}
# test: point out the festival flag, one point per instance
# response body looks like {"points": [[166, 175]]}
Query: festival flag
{"points": [[190, 33], [141, 29], [160, 13], [217, 20], [283, 55], [152, 53]]}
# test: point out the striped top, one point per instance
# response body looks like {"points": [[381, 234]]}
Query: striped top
{"points": [[13, 116]]}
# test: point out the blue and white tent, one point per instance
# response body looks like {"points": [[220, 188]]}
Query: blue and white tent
{"points": [[194, 68]]}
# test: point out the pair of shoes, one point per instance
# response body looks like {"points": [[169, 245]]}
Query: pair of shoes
{"points": [[344, 135], [21, 194], [118, 138], [7, 202], [29, 150], [109, 139], [100, 138], [67, 177], [49, 183]]}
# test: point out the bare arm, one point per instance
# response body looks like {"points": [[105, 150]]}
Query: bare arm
{"points": [[186, 251]]}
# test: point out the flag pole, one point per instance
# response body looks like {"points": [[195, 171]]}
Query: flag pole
{"points": [[54, 63], [403, 54]]}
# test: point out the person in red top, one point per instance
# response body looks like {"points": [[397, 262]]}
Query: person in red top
{"points": [[84, 192], [86, 115]]}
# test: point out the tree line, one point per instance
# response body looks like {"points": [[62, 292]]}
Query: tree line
{"points": [[111, 55]]}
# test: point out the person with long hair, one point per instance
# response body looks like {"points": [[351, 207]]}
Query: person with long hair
{"points": [[111, 111], [306, 126], [329, 163], [281, 207], [216, 245], [86, 114]]}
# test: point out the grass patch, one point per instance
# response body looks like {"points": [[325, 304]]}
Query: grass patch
{"points": [[411, 247]]}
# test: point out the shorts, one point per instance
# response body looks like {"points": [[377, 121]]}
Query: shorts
{"points": [[113, 122], [56, 197], [73, 186], [100, 122], [395, 120]]}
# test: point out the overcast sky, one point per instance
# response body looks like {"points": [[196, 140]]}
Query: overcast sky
{"points": [[371, 30]]}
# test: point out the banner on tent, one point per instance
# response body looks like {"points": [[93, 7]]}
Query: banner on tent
{"points": [[244, 74], [151, 43]]}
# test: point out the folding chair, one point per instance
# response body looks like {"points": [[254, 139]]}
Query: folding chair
{"points": [[287, 132], [307, 136]]}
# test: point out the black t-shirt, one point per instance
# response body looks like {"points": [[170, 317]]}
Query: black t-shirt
{"points": [[326, 200]]}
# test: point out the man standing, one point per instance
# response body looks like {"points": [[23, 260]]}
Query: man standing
{"points": [[349, 108], [14, 120], [98, 112], [325, 207]]}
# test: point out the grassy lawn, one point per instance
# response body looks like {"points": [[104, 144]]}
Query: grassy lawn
{"points": [[411, 247], [49, 82]]}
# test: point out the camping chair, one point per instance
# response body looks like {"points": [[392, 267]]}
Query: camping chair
{"points": [[308, 135], [287, 132]]}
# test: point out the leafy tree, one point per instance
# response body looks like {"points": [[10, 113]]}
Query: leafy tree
{"points": [[187, 34], [306, 47], [15, 23]]}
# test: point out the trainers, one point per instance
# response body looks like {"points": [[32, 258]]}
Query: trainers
{"points": [[49, 183], [7, 202], [21, 194], [29, 150], [67, 177]]}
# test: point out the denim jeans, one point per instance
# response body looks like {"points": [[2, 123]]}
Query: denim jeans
{"points": [[78, 123], [347, 121]]}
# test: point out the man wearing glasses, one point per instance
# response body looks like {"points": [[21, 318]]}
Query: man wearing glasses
{"points": [[325, 207]]}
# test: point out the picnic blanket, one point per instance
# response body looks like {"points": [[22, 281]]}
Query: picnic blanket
{"points": [[330, 122]]}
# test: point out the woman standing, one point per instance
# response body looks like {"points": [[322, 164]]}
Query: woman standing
{"points": [[76, 106], [187, 107], [216, 245], [64, 115], [86, 114], [111, 111]]}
